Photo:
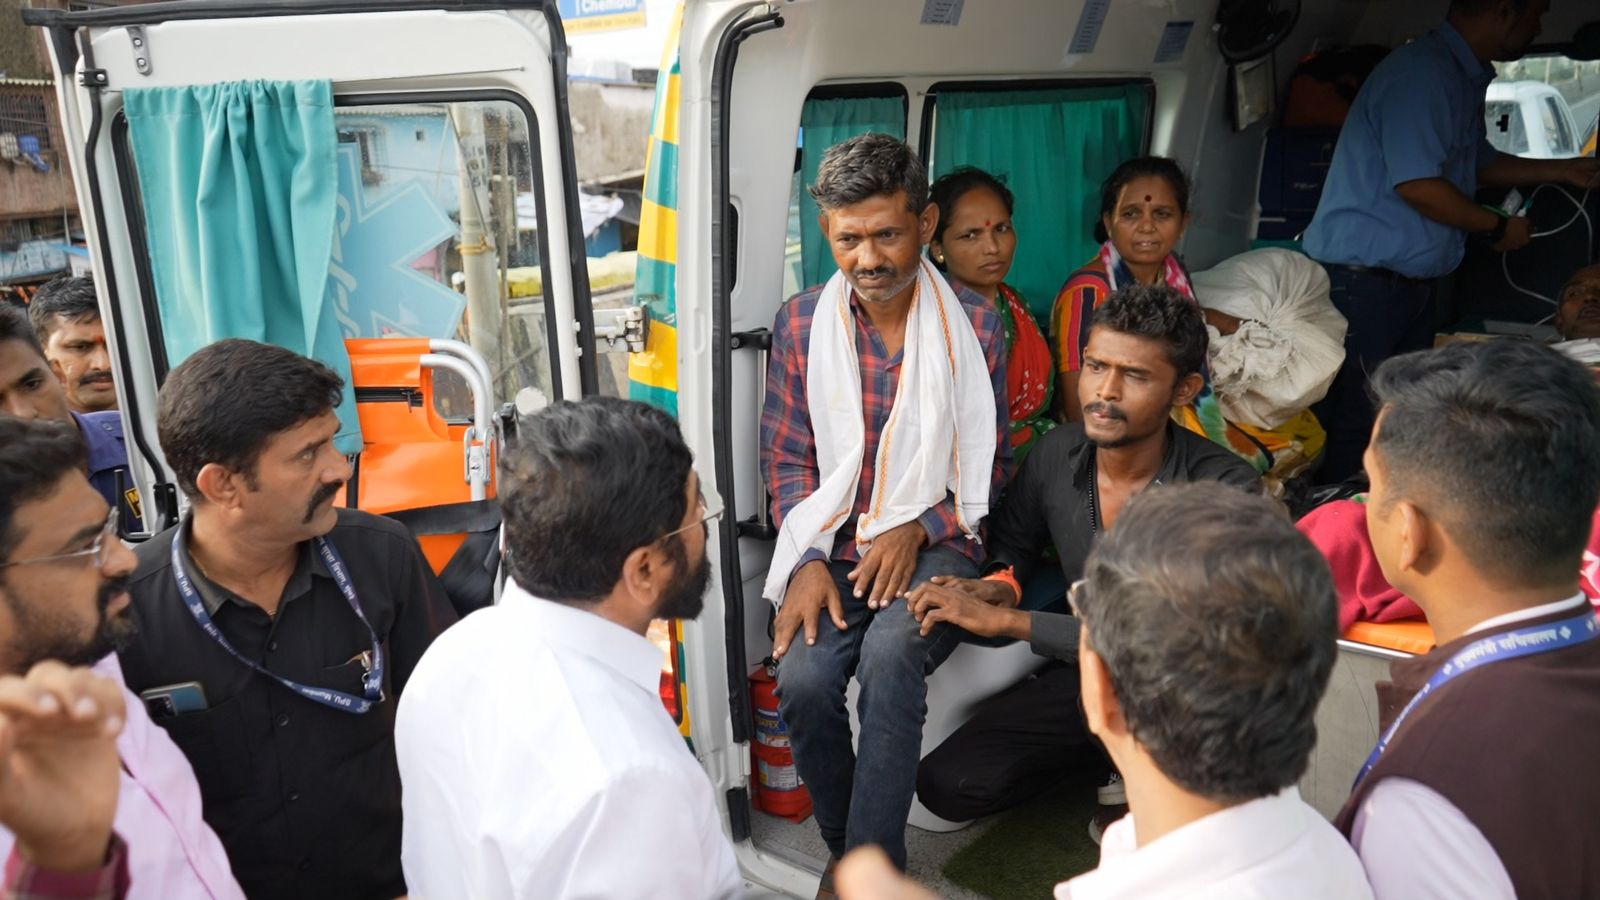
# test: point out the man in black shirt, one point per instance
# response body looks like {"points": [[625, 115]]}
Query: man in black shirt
{"points": [[279, 631], [1144, 357]]}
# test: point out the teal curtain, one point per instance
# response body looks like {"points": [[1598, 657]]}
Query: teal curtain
{"points": [[824, 123], [1053, 149], [239, 188]]}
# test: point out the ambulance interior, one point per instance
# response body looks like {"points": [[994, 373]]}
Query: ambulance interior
{"points": [[1049, 96]]}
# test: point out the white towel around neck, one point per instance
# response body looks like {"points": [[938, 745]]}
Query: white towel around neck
{"points": [[939, 437]]}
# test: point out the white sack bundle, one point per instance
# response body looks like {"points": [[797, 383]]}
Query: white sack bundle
{"points": [[1284, 357]]}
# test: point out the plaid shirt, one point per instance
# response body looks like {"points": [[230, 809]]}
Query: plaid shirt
{"points": [[789, 452], [24, 881]]}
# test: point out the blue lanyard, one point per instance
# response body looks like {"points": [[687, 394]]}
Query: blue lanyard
{"points": [[371, 682], [1495, 648]]}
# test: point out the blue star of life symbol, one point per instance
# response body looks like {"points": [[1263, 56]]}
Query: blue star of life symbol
{"points": [[372, 287]]}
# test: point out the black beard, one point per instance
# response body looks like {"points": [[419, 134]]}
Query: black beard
{"points": [[686, 596], [36, 642]]}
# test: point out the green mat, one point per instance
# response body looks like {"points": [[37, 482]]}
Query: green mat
{"points": [[1028, 850]]}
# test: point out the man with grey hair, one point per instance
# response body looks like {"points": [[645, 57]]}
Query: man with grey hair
{"points": [[884, 441], [1209, 627]]}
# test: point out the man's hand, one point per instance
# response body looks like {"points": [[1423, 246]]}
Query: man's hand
{"points": [[811, 590], [1519, 233], [890, 562], [938, 600], [994, 593], [1583, 172], [59, 771], [866, 873]]}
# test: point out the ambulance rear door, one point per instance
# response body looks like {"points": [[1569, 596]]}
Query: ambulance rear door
{"points": [[457, 209]]}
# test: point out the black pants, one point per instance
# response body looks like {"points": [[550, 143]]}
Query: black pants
{"points": [[1019, 744], [1388, 315]]}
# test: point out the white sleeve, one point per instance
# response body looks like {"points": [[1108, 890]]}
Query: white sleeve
{"points": [[1416, 844], [645, 837]]}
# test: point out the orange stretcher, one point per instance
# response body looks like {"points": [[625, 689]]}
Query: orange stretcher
{"points": [[1413, 636], [432, 473]]}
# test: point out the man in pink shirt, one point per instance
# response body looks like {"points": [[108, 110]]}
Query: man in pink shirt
{"points": [[58, 784], [63, 597]]}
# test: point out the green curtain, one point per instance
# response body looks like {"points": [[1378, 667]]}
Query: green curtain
{"points": [[1053, 149], [824, 123], [239, 188]]}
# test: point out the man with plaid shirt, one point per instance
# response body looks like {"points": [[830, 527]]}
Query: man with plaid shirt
{"points": [[873, 193]]}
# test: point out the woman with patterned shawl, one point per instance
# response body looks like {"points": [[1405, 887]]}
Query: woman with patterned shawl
{"points": [[1144, 208], [974, 244]]}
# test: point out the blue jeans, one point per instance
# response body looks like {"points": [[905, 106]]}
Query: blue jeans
{"points": [[1388, 315], [864, 797]]}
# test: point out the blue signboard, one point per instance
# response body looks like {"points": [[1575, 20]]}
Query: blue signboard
{"points": [[579, 16]]}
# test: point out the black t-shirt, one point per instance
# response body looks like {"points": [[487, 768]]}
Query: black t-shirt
{"points": [[1047, 505], [305, 798]]}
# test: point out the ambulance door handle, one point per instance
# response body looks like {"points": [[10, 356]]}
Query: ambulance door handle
{"points": [[758, 526]]}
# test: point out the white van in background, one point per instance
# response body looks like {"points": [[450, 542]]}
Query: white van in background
{"points": [[1532, 119]]}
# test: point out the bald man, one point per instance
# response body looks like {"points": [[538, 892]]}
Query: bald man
{"points": [[1578, 305]]}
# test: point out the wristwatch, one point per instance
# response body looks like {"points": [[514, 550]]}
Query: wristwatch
{"points": [[1495, 234]]}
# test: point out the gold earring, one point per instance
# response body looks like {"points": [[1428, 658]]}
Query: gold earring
{"points": [[939, 258]]}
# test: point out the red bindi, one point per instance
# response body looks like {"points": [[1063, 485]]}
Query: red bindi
{"points": [[987, 223], [1147, 198]]}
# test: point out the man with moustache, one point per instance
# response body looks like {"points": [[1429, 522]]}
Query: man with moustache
{"points": [[1577, 317], [64, 602], [1578, 305], [885, 438], [282, 630], [66, 316], [537, 758], [1146, 347], [30, 389]]}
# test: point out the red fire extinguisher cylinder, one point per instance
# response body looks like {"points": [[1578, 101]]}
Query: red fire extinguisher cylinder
{"points": [[778, 788]]}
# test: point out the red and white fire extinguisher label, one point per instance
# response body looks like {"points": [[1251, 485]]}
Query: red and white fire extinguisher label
{"points": [[777, 778]]}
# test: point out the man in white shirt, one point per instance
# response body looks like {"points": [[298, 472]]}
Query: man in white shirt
{"points": [[536, 758], [1209, 628], [1484, 484]]}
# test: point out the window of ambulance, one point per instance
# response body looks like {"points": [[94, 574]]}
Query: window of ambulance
{"points": [[437, 236], [1544, 107], [448, 190], [433, 285]]}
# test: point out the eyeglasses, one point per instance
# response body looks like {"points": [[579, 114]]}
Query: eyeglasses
{"points": [[1075, 594], [705, 517], [97, 549]]}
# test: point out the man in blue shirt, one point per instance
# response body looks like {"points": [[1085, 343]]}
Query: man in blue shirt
{"points": [[1398, 204], [30, 390], [66, 317]]}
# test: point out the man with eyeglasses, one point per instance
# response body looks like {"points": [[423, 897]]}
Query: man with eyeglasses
{"points": [[64, 598], [1208, 637], [536, 756]]}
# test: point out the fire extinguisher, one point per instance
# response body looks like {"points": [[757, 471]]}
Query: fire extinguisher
{"points": [[778, 788]]}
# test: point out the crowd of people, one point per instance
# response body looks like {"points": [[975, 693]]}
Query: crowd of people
{"points": [[273, 697]]}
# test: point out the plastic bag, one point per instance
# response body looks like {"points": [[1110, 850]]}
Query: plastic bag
{"points": [[1284, 357]]}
